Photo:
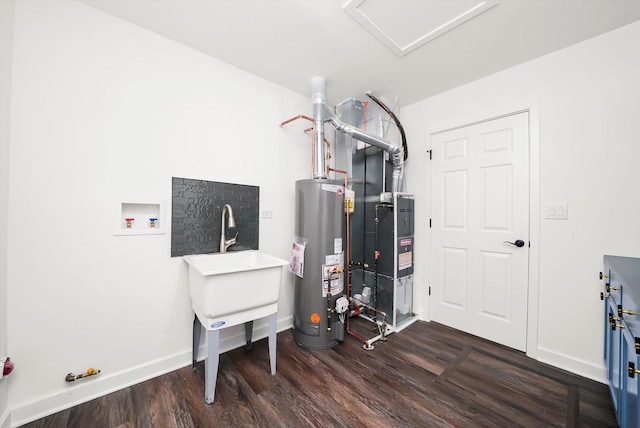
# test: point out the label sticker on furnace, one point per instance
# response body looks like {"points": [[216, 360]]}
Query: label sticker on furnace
{"points": [[405, 260]]}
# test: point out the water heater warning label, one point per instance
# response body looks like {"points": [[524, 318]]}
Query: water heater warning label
{"points": [[337, 246], [332, 281]]}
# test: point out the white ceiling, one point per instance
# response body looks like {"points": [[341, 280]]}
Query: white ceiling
{"points": [[290, 41]]}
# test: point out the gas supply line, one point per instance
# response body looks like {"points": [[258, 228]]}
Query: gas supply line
{"points": [[90, 372]]}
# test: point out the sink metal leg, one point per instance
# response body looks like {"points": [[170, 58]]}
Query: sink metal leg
{"points": [[211, 365], [273, 320], [248, 334], [197, 329], [212, 360]]}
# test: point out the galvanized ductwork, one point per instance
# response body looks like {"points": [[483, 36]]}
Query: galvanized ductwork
{"points": [[322, 114]]}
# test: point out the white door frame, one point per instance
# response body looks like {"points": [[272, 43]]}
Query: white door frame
{"points": [[534, 207]]}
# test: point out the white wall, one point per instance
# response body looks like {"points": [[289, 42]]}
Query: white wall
{"points": [[589, 109], [102, 109], [6, 48]]}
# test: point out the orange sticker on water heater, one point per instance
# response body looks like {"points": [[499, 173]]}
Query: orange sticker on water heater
{"points": [[315, 318]]}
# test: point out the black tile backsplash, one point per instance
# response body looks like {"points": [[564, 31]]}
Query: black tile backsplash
{"points": [[196, 215]]}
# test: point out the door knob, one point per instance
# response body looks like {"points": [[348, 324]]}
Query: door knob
{"points": [[519, 243]]}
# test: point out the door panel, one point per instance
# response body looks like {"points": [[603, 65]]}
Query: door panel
{"points": [[455, 277], [455, 199], [497, 202], [496, 275], [481, 201]]}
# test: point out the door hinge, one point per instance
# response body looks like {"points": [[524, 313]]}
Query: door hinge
{"points": [[429, 223], [430, 154], [429, 290]]}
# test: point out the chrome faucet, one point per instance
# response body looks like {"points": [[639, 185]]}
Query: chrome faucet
{"points": [[226, 243]]}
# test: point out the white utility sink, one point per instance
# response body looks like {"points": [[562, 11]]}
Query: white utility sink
{"points": [[228, 289], [231, 288]]}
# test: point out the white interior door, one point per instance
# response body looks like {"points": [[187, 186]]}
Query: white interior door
{"points": [[481, 201]]}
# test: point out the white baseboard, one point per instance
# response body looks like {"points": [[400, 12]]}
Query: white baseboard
{"points": [[573, 365], [422, 315], [106, 384], [99, 386], [5, 419]]}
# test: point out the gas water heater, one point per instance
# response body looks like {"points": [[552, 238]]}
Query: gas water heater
{"points": [[320, 220]]}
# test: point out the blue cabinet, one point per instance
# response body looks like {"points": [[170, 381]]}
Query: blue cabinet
{"points": [[612, 357], [621, 298], [629, 382]]}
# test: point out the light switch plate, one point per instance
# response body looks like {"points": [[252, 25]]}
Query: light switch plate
{"points": [[556, 211]]}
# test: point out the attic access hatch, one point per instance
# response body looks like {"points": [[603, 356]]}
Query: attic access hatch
{"points": [[405, 25]]}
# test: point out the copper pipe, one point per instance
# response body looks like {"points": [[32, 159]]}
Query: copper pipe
{"points": [[319, 166], [313, 143], [341, 171], [364, 115], [313, 149], [356, 335], [300, 116], [382, 334], [348, 262], [327, 158], [348, 271], [325, 140], [384, 314], [348, 249]]}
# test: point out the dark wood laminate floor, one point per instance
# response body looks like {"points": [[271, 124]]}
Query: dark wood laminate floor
{"points": [[428, 375]]}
